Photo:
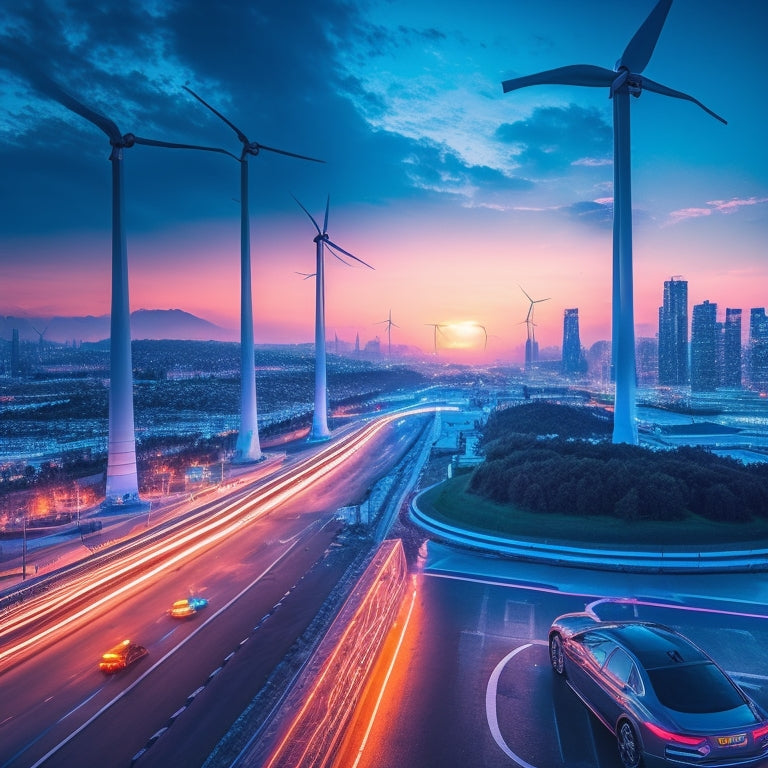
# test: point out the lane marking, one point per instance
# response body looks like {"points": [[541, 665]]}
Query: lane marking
{"points": [[140, 679], [555, 591], [490, 703]]}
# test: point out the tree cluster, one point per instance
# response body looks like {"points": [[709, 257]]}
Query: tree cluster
{"points": [[586, 476]]}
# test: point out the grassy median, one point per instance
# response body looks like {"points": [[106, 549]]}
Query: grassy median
{"points": [[452, 503]]}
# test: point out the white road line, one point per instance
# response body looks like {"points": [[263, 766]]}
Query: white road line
{"points": [[490, 703], [138, 680]]}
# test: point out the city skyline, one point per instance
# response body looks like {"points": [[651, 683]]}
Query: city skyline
{"points": [[483, 193]]}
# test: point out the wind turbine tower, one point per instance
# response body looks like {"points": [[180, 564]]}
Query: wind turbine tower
{"points": [[319, 430], [437, 327], [248, 448], [531, 345], [624, 81], [122, 486], [390, 325]]}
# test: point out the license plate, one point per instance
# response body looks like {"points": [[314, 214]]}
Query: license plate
{"points": [[732, 741]]}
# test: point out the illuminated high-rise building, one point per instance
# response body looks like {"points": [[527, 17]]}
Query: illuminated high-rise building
{"points": [[704, 348], [673, 334], [573, 360], [758, 348], [732, 348]]}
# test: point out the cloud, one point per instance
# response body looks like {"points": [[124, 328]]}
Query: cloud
{"points": [[594, 212], [555, 138], [726, 207]]}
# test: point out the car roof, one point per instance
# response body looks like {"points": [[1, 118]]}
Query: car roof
{"points": [[653, 645]]}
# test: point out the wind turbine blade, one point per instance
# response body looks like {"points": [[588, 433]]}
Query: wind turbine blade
{"points": [[650, 85], [576, 74], [172, 145], [101, 121], [311, 217], [525, 294], [346, 263], [325, 221], [640, 49], [19, 58], [240, 134], [45, 85], [347, 253], [290, 154]]}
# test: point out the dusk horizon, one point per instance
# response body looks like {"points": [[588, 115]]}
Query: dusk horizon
{"points": [[460, 197]]}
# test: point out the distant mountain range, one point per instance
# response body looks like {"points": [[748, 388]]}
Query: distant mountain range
{"points": [[145, 324]]}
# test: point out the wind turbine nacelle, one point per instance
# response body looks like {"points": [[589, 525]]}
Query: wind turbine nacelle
{"points": [[128, 140]]}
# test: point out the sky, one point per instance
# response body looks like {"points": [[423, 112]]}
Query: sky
{"points": [[460, 196]]}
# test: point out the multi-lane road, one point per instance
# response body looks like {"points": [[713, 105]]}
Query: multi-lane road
{"points": [[471, 684], [266, 559], [465, 680]]}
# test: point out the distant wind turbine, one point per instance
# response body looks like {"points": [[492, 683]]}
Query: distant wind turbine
{"points": [[40, 334], [531, 349], [390, 325], [319, 430], [623, 81], [485, 332], [248, 447], [122, 481], [437, 327]]}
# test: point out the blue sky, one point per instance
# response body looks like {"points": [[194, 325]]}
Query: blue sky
{"points": [[457, 193]]}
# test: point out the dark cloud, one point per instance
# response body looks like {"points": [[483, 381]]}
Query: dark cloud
{"points": [[553, 138], [437, 169], [270, 69]]}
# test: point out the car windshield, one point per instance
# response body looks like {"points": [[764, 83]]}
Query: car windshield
{"points": [[695, 688]]}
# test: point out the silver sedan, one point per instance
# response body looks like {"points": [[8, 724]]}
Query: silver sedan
{"points": [[666, 701]]}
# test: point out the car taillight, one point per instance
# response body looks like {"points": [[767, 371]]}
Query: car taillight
{"points": [[679, 738], [760, 732]]}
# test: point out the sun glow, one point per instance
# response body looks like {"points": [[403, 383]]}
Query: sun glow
{"points": [[464, 334]]}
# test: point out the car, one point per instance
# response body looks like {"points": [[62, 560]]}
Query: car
{"points": [[666, 701], [121, 656], [189, 606]]}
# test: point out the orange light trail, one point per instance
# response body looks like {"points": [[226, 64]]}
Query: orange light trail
{"points": [[180, 542]]}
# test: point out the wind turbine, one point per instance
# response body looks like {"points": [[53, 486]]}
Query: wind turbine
{"points": [[40, 341], [531, 350], [122, 485], [625, 80], [390, 326], [319, 430], [485, 332], [248, 448], [437, 327]]}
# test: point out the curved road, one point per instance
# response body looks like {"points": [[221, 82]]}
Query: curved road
{"points": [[265, 579], [472, 686]]}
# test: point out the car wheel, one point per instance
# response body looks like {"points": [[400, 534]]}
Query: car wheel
{"points": [[629, 747], [556, 655]]}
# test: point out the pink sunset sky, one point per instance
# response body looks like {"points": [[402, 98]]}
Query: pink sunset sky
{"points": [[456, 193]]}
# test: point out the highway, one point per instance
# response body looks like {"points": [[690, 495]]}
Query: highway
{"points": [[266, 559], [471, 683]]}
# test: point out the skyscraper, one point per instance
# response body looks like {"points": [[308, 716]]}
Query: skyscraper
{"points": [[673, 334], [758, 348], [572, 357], [732, 349], [704, 348]]}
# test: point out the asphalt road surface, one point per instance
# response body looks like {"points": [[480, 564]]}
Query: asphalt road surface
{"points": [[472, 686], [264, 585]]}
